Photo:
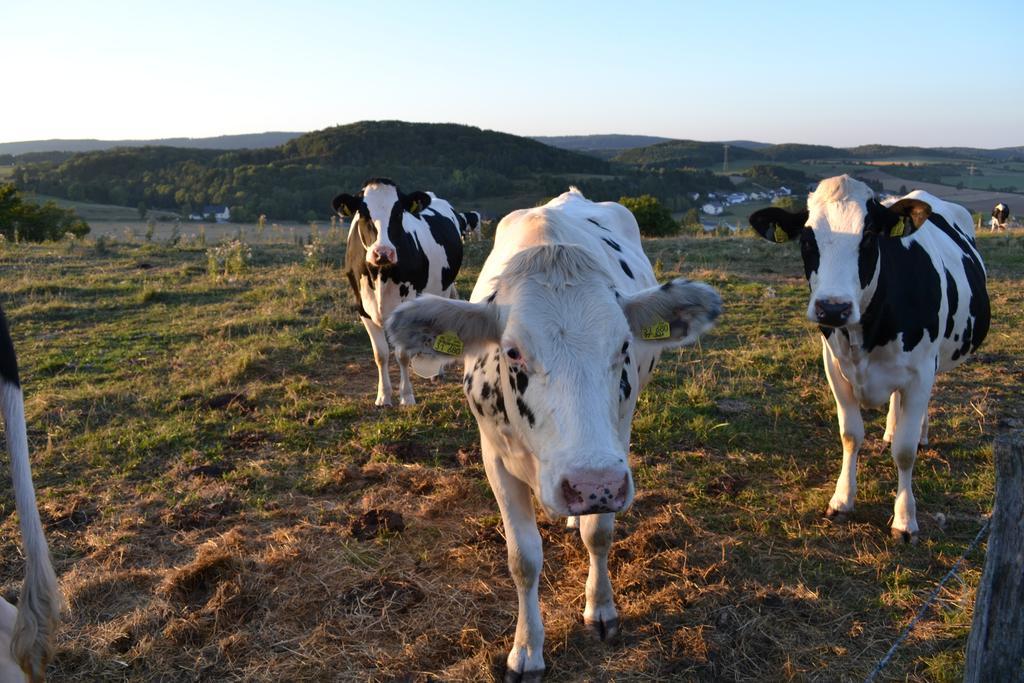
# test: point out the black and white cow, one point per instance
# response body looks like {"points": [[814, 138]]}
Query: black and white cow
{"points": [[1000, 214], [469, 225], [562, 331], [27, 631], [899, 294], [399, 246]]}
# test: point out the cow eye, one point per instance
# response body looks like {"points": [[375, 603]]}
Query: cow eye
{"points": [[513, 353]]}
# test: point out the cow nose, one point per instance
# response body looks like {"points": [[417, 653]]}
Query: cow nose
{"points": [[596, 492], [831, 313], [382, 255]]}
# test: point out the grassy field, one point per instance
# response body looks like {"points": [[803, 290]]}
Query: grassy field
{"points": [[206, 451]]}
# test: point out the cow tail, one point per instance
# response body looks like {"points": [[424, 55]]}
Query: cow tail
{"points": [[40, 602]]}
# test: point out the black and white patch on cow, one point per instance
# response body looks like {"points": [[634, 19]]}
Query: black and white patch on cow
{"points": [[26, 631], [1000, 215], [399, 247], [561, 334], [469, 225], [899, 294]]}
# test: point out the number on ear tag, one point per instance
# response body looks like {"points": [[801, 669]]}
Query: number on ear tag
{"points": [[780, 235], [449, 344], [659, 330]]}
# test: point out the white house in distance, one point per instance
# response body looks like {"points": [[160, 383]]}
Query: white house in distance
{"points": [[712, 209], [220, 213]]}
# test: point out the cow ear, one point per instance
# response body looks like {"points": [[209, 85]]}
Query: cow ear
{"points": [[899, 220], [346, 204], [674, 314], [778, 225], [414, 202], [435, 331]]}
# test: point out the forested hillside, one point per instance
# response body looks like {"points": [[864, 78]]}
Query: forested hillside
{"points": [[297, 179]]}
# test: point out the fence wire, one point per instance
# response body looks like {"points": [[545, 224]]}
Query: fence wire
{"points": [[928, 603]]}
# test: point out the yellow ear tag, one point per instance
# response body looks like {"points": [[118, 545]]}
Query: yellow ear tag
{"points": [[897, 230], [659, 330], [414, 208], [780, 235], [449, 344]]}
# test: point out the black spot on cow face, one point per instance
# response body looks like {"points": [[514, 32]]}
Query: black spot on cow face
{"points": [[624, 387], [612, 243], [809, 252], [485, 390], [403, 290], [625, 269], [524, 411], [522, 381]]}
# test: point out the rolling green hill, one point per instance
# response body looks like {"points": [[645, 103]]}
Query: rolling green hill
{"points": [[296, 180]]}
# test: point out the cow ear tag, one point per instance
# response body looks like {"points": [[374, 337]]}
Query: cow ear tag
{"points": [[659, 330], [898, 229], [781, 235], [448, 343], [414, 209]]}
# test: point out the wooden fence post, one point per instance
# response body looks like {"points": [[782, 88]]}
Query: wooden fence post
{"points": [[995, 648]]}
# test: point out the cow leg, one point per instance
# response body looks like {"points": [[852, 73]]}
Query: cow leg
{"points": [[599, 614], [525, 557], [405, 395], [381, 354], [851, 432], [909, 423], [890, 418], [890, 421]]}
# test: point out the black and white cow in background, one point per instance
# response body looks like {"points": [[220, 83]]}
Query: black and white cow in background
{"points": [[399, 246], [1000, 214], [469, 225], [26, 632], [899, 294], [563, 330]]}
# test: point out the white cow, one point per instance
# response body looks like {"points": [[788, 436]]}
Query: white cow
{"points": [[26, 632], [563, 329], [899, 294]]}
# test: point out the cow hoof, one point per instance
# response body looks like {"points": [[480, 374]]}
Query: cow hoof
{"points": [[524, 676], [903, 536], [411, 401], [838, 516], [572, 522], [382, 403], [604, 629]]}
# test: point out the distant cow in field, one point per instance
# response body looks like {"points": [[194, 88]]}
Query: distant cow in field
{"points": [[469, 225], [1000, 214], [899, 295], [399, 246], [563, 330], [26, 632]]}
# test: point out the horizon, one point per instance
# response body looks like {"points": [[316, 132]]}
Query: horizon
{"points": [[772, 74], [532, 136]]}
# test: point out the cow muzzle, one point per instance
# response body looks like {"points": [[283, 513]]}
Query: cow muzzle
{"points": [[831, 313], [597, 491], [381, 256]]}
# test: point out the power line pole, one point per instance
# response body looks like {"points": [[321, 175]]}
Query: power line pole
{"points": [[725, 160]]}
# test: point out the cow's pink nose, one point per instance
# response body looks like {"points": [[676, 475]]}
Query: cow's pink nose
{"points": [[589, 493], [382, 255]]}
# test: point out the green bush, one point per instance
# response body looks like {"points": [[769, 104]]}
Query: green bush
{"points": [[653, 218], [24, 220]]}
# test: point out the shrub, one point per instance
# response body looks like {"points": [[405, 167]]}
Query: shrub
{"points": [[653, 218]]}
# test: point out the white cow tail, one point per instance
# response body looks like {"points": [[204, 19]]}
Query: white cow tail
{"points": [[40, 602]]}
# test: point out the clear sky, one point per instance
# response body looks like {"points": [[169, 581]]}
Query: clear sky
{"points": [[829, 72]]}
